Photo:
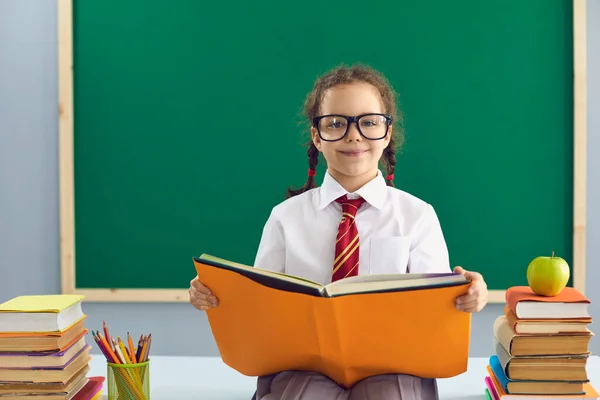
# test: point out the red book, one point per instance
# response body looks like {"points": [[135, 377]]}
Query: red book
{"points": [[90, 389]]}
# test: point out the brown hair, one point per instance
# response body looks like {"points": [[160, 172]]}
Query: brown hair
{"points": [[344, 75]]}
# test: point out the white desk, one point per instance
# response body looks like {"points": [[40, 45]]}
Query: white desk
{"points": [[193, 378]]}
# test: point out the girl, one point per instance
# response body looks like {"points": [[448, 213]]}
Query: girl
{"points": [[356, 222]]}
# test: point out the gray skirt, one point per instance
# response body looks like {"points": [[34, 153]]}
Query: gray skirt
{"points": [[301, 385]]}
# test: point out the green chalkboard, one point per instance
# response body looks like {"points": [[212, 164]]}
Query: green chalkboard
{"points": [[188, 129]]}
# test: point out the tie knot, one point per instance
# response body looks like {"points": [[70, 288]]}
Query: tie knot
{"points": [[350, 206]]}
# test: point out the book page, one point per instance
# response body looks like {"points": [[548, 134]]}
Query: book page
{"points": [[265, 277], [393, 282], [390, 277]]}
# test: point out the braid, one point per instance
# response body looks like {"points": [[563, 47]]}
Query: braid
{"points": [[313, 160], [389, 158]]}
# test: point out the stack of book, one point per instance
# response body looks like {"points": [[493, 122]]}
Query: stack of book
{"points": [[43, 350], [541, 347]]}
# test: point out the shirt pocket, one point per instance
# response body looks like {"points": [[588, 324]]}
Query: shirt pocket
{"points": [[389, 255]]}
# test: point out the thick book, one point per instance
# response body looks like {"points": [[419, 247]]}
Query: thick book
{"points": [[49, 342], [66, 395], [39, 360], [41, 388], [41, 313], [546, 326], [539, 345], [48, 374], [351, 329], [554, 367]]}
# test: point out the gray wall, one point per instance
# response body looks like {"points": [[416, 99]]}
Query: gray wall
{"points": [[29, 241], [593, 163]]}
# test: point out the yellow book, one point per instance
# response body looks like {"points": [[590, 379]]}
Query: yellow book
{"points": [[40, 313]]}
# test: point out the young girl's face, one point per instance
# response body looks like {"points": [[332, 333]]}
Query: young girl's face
{"points": [[354, 155]]}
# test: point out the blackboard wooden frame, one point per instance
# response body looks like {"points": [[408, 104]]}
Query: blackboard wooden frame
{"points": [[66, 169]]}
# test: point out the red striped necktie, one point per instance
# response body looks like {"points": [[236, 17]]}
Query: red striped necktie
{"points": [[346, 246]]}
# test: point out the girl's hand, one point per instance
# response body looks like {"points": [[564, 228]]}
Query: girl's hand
{"points": [[476, 297], [201, 296]]}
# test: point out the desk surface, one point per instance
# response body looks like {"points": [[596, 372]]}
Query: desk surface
{"points": [[187, 378]]}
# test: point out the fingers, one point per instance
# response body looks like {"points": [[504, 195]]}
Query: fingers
{"points": [[469, 275], [201, 301], [473, 276], [459, 270], [465, 299], [477, 288], [195, 283], [475, 298], [201, 297], [472, 306], [201, 305]]}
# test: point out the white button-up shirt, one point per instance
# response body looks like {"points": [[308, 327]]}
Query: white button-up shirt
{"points": [[398, 233]]}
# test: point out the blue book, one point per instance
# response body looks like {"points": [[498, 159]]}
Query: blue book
{"points": [[499, 372]]}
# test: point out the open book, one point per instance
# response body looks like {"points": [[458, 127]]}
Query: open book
{"points": [[348, 330], [353, 285]]}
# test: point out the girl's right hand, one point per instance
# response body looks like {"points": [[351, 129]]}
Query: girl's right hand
{"points": [[201, 296]]}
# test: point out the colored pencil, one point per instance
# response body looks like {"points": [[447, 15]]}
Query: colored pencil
{"points": [[149, 344], [119, 351], [139, 349], [123, 350], [143, 356], [131, 352], [114, 357], [106, 334], [102, 348]]}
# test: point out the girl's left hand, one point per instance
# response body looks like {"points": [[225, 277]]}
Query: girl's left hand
{"points": [[476, 297]]}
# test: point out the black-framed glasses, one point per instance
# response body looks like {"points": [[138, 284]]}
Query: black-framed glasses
{"points": [[334, 127]]}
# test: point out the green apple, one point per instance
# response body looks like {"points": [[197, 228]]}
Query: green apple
{"points": [[548, 276]]}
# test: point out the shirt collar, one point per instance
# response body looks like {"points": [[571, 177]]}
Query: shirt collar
{"points": [[374, 191]]}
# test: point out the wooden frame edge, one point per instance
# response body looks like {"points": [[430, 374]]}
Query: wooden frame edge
{"points": [[135, 295], [496, 296], [579, 144], [66, 169], [65, 146]]}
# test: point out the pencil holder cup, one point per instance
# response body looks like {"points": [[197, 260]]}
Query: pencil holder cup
{"points": [[128, 381]]}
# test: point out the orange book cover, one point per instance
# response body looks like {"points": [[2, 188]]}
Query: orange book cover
{"points": [[48, 342], [260, 329], [516, 294]]}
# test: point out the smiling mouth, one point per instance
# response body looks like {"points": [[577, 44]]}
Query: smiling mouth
{"points": [[353, 153]]}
